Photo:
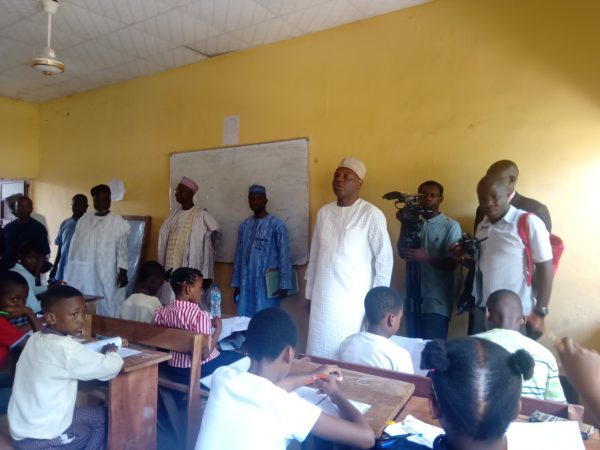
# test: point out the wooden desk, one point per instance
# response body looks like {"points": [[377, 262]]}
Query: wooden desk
{"points": [[386, 396], [132, 397], [419, 407]]}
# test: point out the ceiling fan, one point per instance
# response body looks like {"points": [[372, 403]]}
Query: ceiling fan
{"points": [[46, 62]]}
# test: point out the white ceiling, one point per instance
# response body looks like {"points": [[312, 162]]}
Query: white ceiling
{"points": [[106, 41]]}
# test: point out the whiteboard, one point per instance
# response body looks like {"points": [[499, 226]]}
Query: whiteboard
{"points": [[224, 176]]}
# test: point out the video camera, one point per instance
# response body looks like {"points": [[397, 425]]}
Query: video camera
{"points": [[411, 218]]}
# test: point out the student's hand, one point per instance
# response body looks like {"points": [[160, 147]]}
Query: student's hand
{"points": [[327, 371], [581, 365], [217, 323], [109, 348], [17, 311], [328, 386], [281, 293], [416, 255], [535, 326]]}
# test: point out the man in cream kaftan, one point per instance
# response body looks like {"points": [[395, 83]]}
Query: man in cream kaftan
{"points": [[97, 263], [187, 237], [350, 254]]}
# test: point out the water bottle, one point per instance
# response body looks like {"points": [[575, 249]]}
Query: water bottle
{"points": [[215, 300]]}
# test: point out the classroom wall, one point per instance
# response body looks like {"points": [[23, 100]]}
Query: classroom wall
{"points": [[437, 91], [19, 151]]}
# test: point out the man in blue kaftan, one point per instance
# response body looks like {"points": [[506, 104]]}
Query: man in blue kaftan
{"points": [[262, 246]]}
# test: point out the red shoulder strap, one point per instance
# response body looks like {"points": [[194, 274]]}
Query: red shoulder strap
{"points": [[523, 230]]}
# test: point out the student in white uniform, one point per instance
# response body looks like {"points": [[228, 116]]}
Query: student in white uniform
{"points": [[254, 410], [373, 347], [41, 411], [476, 391], [140, 305]]}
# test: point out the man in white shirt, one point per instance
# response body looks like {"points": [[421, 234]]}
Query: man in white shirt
{"points": [[98, 255], [350, 253], [502, 263], [265, 415], [383, 308]]}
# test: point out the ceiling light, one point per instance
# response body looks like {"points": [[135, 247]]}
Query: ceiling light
{"points": [[46, 62]]}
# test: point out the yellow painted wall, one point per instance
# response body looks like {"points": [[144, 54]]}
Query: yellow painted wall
{"points": [[19, 156], [437, 91]]}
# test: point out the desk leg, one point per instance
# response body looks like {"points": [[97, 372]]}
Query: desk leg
{"points": [[132, 410]]}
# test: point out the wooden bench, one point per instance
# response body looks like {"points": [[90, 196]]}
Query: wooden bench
{"points": [[170, 339]]}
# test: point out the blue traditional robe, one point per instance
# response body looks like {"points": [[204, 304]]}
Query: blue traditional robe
{"points": [[262, 245]]}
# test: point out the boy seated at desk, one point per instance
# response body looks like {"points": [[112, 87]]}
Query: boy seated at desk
{"points": [[373, 347], [13, 292], [504, 320], [31, 261], [185, 313], [143, 303], [254, 409], [41, 411]]}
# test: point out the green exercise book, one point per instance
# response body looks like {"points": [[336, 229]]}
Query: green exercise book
{"points": [[272, 280]]}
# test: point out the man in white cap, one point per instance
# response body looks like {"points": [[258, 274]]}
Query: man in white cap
{"points": [[350, 254], [187, 237]]}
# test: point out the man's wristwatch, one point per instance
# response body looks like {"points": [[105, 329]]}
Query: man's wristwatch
{"points": [[541, 311]]}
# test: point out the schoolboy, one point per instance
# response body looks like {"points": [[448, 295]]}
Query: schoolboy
{"points": [[31, 260], [373, 347], [13, 291], [41, 411], [264, 415], [504, 320], [141, 305]]}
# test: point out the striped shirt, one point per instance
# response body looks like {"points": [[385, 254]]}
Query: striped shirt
{"points": [[545, 384], [185, 316]]}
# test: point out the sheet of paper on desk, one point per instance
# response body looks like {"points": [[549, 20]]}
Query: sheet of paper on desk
{"points": [[125, 352], [411, 424], [233, 324], [96, 346], [544, 436], [316, 397], [241, 364]]}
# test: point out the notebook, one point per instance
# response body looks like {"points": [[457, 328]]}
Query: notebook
{"points": [[272, 281]]}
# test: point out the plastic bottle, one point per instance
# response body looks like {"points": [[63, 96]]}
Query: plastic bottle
{"points": [[215, 300]]}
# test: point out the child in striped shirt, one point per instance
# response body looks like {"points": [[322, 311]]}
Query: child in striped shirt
{"points": [[185, 313]]}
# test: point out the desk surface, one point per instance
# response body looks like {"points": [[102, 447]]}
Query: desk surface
{"points": [[147, 358], [386, 396]]}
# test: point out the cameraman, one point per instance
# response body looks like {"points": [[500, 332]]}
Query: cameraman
{"points": [[436, 265]]}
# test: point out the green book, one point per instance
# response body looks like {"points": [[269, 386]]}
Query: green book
{"points": [[272, 281]]}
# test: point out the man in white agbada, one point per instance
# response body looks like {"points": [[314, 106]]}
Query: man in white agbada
{"points": [[97, 263], [350, 254], [187, 237]]}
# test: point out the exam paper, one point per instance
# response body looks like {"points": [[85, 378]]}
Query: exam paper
{"points": [[544, 436], [125, 352], [323, 401], [233, 324], [96, 346]]}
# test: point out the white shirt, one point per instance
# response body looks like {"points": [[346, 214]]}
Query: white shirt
{"points": [[98, 250], [43, 395], [248, 412], [32, 301], [377, 351], [139, 307], [502, 260], [350, 254]]}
